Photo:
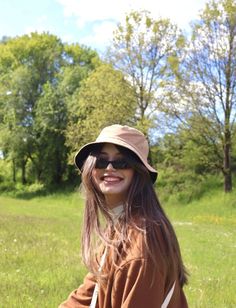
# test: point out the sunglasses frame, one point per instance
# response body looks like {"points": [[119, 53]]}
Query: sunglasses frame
{"points": [[120, 163]]}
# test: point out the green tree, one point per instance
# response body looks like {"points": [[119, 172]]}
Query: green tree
{"points": [[50, 155], [104, 98], [17, 119], [144, 49], [79, 62], [186, 163], [38, 77], [206, 82], [26, 63]]}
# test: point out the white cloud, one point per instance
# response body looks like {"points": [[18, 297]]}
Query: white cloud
{"points": [[100, 35], [181, 11], [90, 11], [103, 12]]}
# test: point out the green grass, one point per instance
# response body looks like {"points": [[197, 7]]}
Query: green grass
{"points": [[206, 230], [40, 249]]}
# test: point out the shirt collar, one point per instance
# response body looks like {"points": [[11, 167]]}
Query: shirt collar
{"points": [[116, 212]]}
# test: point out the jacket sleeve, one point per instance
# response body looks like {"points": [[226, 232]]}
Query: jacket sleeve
{"points": [[81, 297], [137, 284]]}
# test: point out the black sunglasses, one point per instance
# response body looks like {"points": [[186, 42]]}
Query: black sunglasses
{"points": [[120, 163]]}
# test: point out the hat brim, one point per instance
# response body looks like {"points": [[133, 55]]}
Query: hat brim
{"points": [[84, 152]]}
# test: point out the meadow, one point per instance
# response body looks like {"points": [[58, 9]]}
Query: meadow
{"points": [[40, 261]]}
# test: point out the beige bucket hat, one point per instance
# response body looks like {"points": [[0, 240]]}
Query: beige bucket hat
{"points": [[125, 136]]}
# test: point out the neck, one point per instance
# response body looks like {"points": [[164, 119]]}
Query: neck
{"points": [[113, 202]]}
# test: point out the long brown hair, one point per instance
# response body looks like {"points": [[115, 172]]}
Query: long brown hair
{"points": [[142, 202]]}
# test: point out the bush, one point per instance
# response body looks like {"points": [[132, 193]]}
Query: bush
{"points": [[6, 186], [185, 186], [19, 190]]}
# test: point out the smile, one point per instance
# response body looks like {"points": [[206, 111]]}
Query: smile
{"points": [[111, 179]]}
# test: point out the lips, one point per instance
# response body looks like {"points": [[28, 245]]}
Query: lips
{"points": [[111, 179]]}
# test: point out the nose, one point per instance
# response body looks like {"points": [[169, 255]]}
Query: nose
{"points": [[110, 167]]}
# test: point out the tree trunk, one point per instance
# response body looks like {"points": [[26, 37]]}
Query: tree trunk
{"points": [[227, 163], [13, 171], [38, 173], [228, 182], [150, 158], [23, 177], [227, 110], [58, 167]]}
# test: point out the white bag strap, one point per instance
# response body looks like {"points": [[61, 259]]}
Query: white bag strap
{"points": [[95, 291], [168, 297]]}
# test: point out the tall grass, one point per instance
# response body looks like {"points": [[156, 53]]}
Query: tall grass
{"points": [[40, 249]]}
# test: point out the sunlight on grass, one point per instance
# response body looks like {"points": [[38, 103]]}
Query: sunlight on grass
{"points": [[206, 231], [40, 249]]}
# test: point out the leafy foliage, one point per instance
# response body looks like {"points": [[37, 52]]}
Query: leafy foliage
{"points": [[104, 98], [206, 82], [36, 74], [180, 91], [143, 49]]}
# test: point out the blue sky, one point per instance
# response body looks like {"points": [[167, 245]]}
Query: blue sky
{"points": [[88, 22]]}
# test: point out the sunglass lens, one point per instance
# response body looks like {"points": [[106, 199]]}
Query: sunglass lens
{"points": [[102, 163], [120, 164]]}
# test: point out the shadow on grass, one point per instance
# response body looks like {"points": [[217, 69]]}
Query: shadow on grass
{"points": [[27, 192]]}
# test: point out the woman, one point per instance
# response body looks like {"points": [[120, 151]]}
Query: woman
{"points": [[129, 245]]}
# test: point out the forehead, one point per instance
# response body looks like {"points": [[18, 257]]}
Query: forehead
{"points": [[109, 148]]}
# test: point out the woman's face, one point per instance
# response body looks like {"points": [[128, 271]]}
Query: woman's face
{"points": [[113, 183]]}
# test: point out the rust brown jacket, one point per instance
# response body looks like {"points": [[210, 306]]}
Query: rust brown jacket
{"points": [[134, 284]]}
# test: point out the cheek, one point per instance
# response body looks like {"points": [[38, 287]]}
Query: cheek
{"points": [[130, 175]]}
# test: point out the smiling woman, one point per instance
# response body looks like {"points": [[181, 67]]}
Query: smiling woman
{"points": [[112, 175], [135, 260]]}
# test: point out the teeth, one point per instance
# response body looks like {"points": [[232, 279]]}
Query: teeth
{"points": [[111, 179]]}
